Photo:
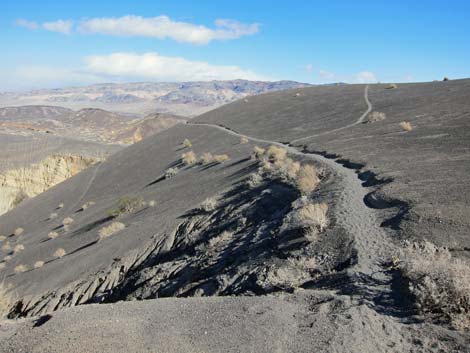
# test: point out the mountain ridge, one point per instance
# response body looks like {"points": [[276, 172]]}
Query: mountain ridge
{"points": [[143, 98]]}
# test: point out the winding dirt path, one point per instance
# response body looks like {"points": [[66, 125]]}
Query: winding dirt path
{"points": [[87, 187], [361, 222], [357, 122]]}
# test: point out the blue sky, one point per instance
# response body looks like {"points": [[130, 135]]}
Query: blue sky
{"points": [[62, 43]]}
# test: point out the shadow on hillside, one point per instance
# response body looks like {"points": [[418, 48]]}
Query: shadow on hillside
{"points": [[92, 225], [396, 303], [161, 178], [237, 240], [251, 168]]}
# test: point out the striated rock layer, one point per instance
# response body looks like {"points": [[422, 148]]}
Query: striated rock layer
{"points": [[16, 185]]}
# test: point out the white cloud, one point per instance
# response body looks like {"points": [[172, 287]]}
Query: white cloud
{"points": [[60, 26], [160, 27], [163, 27], [326, 74], [231, 29], [365, 77], [37, 75], [27, 24], [122, 67], [308, 67], [162, 68]]}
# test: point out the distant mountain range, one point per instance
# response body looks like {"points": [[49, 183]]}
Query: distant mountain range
{"points": [[184, 98]]}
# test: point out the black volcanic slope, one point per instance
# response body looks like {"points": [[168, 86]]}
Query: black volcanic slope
{"points": [[429, 166], [272, 286]]}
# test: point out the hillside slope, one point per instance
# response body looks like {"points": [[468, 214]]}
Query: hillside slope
{"points": [[429, 165], [333, 287]]}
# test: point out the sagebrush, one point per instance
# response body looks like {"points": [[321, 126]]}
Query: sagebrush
{"points": [[313, 215], [111, 229], [127, 204], [209, 204], [59, 253], [307, 179], [439, 282], [406, 126], [189, 158], [221, 158]]}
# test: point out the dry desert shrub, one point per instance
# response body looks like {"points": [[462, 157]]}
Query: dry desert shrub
{"points": [[313, 215], [258, 152], [59, 253], [293, 168], [392, 86], [439, 282], [2, 237], [20, 269], [275, 153], [209, 204], [187, 143], [221, 158], [38, 264], [375, 117], [445, 79], [53, 216], [243, 140], [170, 173], [18, 248], [111, 229], [60, 205], [67, 221], [287, 169], [274, 162], [206, 158], [88, 204], [53, 235], [18, 231], [406, 126], [6, 247], [7, 258], [307, 179], [152, 203], [127, 204], [189, 158], [2, 265], [266, 166], [254, 180]]}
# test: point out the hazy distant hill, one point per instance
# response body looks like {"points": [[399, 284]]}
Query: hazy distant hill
{"points": [[184, 98], [89, 124], [32, 112]]}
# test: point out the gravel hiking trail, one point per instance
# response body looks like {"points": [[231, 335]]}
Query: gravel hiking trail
{"points": [[96, 167], [366, 293], [357, 122], [372, 243]]}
